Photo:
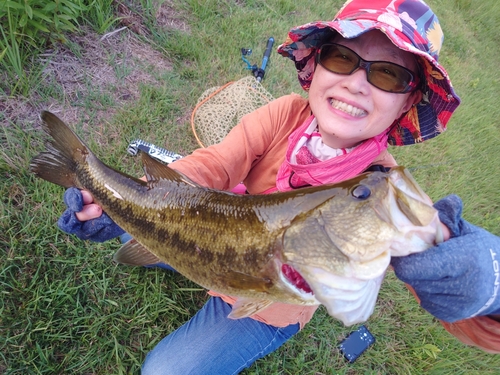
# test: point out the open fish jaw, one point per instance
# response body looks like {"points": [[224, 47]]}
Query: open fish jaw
{"points": [[346, 269]]}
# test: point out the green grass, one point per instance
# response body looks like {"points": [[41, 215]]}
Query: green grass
{"points": [[66, 308]]}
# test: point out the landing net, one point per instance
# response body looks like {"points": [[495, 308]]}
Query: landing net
{"points": [[220, 108]]}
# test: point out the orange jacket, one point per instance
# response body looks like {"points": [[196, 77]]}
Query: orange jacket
{"points": [[252, 153]]}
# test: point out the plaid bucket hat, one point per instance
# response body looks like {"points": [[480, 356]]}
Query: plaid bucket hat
{"points": [[412, 26]]}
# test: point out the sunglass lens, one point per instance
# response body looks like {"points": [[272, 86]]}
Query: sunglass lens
{"points": [[389, 77], [337, 59]]}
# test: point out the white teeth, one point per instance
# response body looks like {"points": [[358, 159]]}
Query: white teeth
{"points": [[347, 108]]}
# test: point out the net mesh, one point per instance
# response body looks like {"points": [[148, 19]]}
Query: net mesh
{"points": [[220, 108]]}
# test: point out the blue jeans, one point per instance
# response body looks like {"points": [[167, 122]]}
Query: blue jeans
{"points": [[211, 343]]}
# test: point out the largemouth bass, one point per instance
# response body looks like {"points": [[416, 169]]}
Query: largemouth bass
{"points": [[326, 245]]}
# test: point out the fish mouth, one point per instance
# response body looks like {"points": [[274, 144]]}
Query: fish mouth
{"points": [[297, 284], [295, 278]]}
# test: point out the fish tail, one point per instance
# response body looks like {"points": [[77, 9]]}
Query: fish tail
{"points": [[64, 152]]}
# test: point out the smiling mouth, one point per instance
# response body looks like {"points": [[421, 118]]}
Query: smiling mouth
{"points": [[347, 108], [295, 278]]}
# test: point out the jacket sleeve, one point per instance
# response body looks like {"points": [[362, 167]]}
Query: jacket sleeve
{"points": [[481, 331], [226, 164]]}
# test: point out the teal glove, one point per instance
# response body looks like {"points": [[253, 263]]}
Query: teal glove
{"points": [[459, 278]]}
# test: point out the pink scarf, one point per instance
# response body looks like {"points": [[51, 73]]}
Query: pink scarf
{"points": [[333, 170]]}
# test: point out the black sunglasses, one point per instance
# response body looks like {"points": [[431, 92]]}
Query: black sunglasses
{"points": [[384, 75]]}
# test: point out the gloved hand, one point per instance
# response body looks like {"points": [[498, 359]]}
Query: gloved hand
{"points": [[98, 230], [459, 278]]}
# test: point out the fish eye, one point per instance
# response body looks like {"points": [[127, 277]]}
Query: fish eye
{"points": [[361, 192]]}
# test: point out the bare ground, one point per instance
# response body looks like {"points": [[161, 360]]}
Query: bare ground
{"points": [[90, 67]]}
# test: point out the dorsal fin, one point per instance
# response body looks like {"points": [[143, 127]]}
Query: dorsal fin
{"points": [[156, 171], [134, 254]]}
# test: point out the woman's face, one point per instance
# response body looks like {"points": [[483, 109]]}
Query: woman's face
{"points": [[348, 108]]}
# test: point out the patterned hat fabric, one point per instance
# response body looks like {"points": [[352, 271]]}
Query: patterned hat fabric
{"points": [[412, 26]]}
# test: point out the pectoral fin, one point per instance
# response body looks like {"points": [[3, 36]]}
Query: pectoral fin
{"points": [[242, 281], [134, 254], [244, 307]]}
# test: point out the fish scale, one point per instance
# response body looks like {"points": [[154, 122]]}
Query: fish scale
{"points": [[327, 244]]}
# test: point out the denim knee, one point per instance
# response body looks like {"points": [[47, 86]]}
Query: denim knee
{"points": [[211, 343]]}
